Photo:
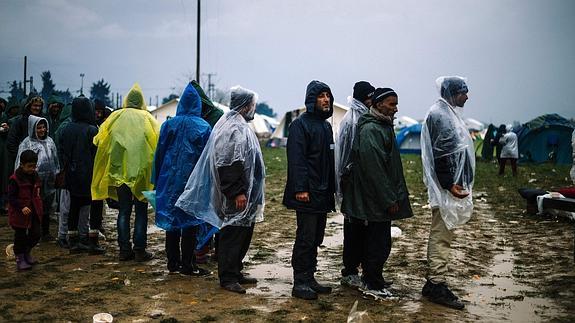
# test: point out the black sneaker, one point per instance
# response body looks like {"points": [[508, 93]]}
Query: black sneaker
{"points": [[142, 255], [195, 272], [126, 255], [427, 288], [234, 287], [303, 292], [63, 243], [320, 289], [440, 294]]}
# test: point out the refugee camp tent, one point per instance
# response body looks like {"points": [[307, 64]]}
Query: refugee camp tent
{"points": [[279, 136], [403, 121], [408, 139], [474, 125], [546, 138]]}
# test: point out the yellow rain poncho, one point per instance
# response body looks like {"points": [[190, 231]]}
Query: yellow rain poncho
{"points": [[126, 144]]}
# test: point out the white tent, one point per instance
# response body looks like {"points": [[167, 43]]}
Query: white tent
{"points": [[474, 125], [403, 122], [280, 132]]}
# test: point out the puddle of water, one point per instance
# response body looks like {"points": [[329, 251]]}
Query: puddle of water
{"points": [[501, 297]]}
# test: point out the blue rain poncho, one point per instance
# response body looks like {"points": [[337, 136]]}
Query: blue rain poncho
{"points": [[182, 140], [448, 155], [48, 165], [232, 142]]}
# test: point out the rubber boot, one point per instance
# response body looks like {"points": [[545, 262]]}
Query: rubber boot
{"points": [[95, 248], [21, 263]]}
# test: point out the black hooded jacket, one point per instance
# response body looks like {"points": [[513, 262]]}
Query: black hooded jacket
{"points": [[76, 149], [18, 130], [310, 154]]}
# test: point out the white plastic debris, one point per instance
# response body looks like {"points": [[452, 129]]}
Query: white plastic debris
{"points": [[395, 232], [356, 316], [102, 318], [10, 251]]}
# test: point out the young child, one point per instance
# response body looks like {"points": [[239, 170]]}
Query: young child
{"points": [[25, 208], [47, 166]]}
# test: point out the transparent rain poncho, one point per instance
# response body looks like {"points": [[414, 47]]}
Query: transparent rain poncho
{"points": [[231, 141], [48, 165], [344, 141], [446, 144]]}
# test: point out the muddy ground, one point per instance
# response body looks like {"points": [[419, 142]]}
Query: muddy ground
{"points": [[507, 266]]}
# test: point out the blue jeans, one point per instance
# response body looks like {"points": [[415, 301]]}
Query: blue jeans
{"points": [[126, 201]]}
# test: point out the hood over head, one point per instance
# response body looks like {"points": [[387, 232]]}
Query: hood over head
{"points": [[135, 98], [83, 110], [207, 104], [241, 98], [190, 103], [55, 99], [66, 112], [32, 98], [33, 123], [450, 86], [314, 89]]}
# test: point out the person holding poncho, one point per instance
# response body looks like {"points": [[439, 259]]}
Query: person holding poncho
{"points": [[47, 165], [226, 187], [448, 160], [182, 140], [126, 144]]}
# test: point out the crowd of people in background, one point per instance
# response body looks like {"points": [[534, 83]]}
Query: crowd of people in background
{"points": [[208, 174]]}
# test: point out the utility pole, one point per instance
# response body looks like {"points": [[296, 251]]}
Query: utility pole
{"points": [[82, 84], [211, 86], [198, 46], [25, 66]]}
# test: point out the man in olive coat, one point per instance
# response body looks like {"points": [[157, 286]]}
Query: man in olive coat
{"points": [[376, 193]]}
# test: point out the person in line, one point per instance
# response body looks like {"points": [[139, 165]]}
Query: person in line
{"points": [[509, 151], [76, 152], [47, 165], [226, 188], [310, 185], [377, 193], [182, 140], [123, 166], [55, 106], [448, 160], [353, 231], [25, 209]]}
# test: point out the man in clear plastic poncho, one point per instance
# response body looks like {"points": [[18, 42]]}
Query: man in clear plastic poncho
{"points": [[353, 230], [182, 140], [126, 144], [448, 160], [226, 187]]}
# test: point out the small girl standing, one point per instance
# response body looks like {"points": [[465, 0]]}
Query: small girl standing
{"points": [[25, 208]]}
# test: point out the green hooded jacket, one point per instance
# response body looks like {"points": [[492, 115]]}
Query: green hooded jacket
{"points": [[210, 112], [54, 122], [376, 180]]}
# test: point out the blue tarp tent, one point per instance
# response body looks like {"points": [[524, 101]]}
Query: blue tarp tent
{"points": [[546, 138], [408, 139]]}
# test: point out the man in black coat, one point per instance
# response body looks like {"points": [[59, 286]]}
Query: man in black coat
{"points": [[310, 185], [76, 152]]}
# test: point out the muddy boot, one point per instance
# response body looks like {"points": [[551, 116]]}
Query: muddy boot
{"points": [[74, 243], [95, 248], [29, 258], [303, 291], [143, 255], [320, 289], [440, 294], [21, 263], [126, 254]]}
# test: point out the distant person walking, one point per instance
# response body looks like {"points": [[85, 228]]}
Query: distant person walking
{"points": [[509, 151], [448, 159], [310, 185]]}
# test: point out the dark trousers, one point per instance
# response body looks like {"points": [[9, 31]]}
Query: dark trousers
{"points": [[26, 239], [96, 218], [76, 203], [377, 250], [127, 201], [232, 248], [503, 161], [47, 205], [354, 235], [309, 236], [183, 241]]}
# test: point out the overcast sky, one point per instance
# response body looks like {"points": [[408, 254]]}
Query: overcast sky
{"points": [[518, 55]]}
